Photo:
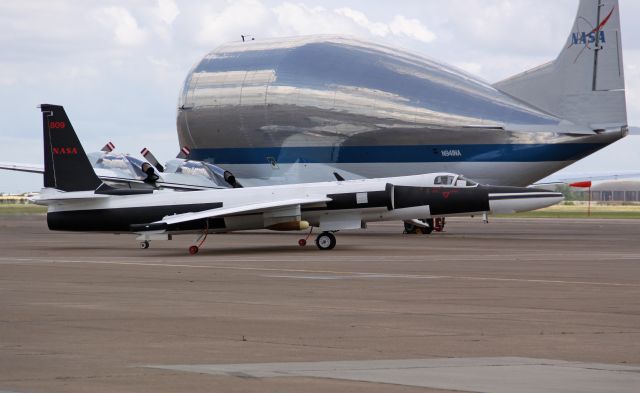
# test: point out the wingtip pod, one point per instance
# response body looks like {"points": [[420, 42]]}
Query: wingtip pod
{"points": [[585, 83], [66, 166]]}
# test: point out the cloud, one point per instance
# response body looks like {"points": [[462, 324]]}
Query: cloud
{"points": [[359, 18], [632, 82], [124, 26], [167, 11], [218, 24], [411, 28], [302, 19]]}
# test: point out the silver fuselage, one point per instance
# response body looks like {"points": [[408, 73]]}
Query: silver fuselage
{"points": [[286, 109]]}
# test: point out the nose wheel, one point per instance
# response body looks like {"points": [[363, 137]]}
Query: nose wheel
{"points": [[326, 241], [144, 245]]}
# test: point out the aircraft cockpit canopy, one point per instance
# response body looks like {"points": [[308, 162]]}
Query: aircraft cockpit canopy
{"points": [[444, 180], [461, 181], [195, 169], [453, 180], [122, 164]]}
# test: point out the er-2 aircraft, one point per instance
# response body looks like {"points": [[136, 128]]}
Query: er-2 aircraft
{"points": [[78, 200]]}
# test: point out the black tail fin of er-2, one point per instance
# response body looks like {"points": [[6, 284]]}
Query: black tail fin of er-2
{"points": [[66, 166]]}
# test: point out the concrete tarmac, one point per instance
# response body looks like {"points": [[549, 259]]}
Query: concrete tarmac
{"points": [[481, 307]]}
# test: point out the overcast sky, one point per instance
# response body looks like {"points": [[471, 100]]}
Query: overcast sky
{"points": [[117, 66]]}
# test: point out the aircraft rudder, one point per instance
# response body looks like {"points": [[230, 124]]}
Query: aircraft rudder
{"points": [[585, 83], [66, 166]]}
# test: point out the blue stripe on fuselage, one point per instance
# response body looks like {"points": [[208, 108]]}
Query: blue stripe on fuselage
{"points": [[399, 153]]}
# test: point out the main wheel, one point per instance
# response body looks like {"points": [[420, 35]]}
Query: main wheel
{"points": [[144, 245], [410, 228], [429, 229], [193, 250], [326, 241]]}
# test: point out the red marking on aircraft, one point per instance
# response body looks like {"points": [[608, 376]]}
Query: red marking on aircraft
{"points": [[64, 151], [57, 124], [604, 21]]}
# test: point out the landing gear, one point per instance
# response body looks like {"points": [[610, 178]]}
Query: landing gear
{"points": [[194, 248], [326, 241], [412, 228], [144, 245], [303, 242]]}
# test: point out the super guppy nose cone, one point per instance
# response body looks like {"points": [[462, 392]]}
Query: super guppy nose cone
{"points": [[505, 200]]}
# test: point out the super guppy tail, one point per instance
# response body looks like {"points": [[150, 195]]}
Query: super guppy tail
{"points": [[585, 83], [66, 166]]}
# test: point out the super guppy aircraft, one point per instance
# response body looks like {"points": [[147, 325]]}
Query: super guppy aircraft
{"points": [[298, 109], [78, 200]]}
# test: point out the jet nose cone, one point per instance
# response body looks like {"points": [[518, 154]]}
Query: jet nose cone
{"points": [[521, 200]]}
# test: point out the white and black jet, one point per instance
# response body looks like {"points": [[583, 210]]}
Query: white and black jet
{"points": [[78, 200]]}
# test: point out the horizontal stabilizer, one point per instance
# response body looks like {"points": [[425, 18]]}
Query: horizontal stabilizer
{"points": [[31, 168], [51, 196]]}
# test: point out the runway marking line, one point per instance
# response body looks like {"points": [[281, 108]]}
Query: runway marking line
{"points": [[289, 270]]}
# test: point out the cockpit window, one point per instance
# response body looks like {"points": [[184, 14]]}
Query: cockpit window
{"points": [[464, 182], [112, 162], [194, 169], [443, 180]]}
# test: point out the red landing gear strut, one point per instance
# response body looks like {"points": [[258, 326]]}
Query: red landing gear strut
{"points": [[193, 249], [303, 242]]}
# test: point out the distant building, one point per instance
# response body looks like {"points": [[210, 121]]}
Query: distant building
{"points": [[15, 198], [612, 191]]}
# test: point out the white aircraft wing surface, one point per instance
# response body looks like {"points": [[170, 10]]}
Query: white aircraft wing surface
{"points": [[251, 208], [32, 168], [49, 196]]}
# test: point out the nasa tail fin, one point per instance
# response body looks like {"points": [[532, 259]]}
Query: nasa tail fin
{"points": [[585, 83], [66, 166]]}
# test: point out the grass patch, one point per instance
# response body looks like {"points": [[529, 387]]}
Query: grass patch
{"points": [[19, 208]]}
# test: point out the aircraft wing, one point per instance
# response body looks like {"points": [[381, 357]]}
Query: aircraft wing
{"points": [[244, 209], [50, 196], [31, 168]]}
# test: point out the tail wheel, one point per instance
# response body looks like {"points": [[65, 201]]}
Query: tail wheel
{"points": [[144, 245], [326, 241], [193, 250], [302, 242]]}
